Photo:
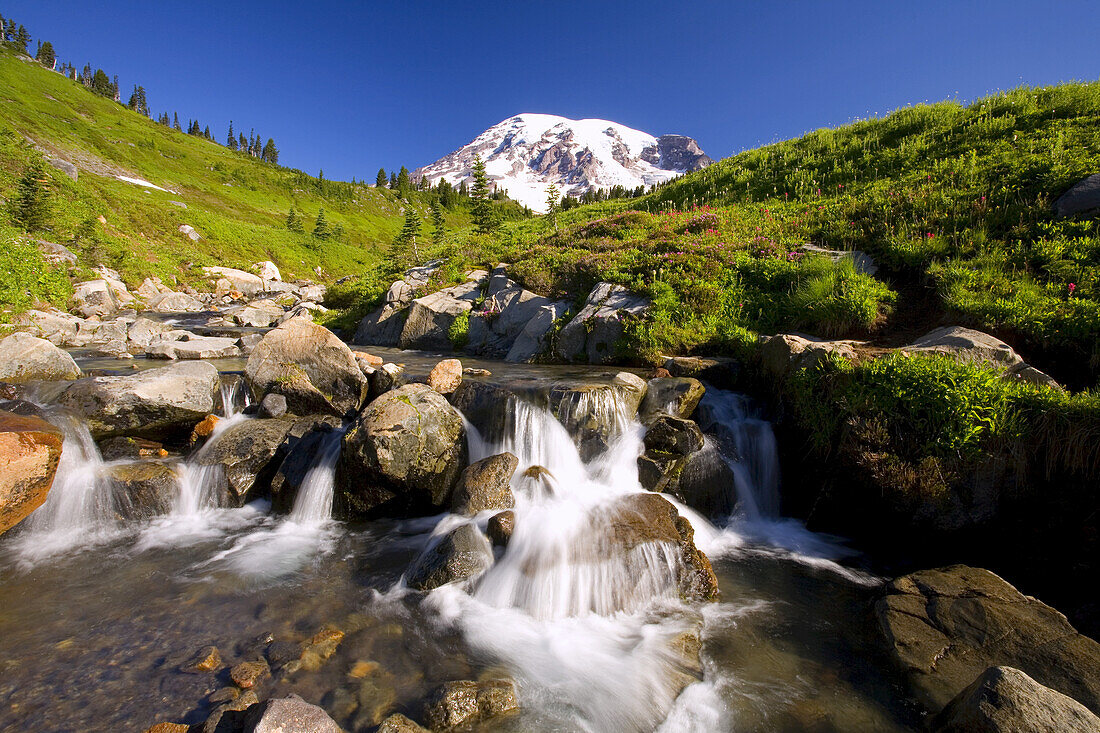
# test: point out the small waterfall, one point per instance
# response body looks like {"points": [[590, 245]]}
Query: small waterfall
{"points": [[747, 444], [235, 395], [313, 504]]}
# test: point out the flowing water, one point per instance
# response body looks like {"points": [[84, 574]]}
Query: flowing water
{"points": [[594, 636]]}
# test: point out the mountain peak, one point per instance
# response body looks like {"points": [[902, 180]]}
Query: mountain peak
{"points": [[525, 153]]}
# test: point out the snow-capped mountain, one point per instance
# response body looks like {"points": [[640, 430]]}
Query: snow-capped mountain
{"points": [[526, 153]]}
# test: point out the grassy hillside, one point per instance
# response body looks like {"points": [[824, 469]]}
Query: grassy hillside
{"points": [[237, 203]]}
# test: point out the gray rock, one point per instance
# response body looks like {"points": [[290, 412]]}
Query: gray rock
{"points": [[430, 318], [533, 340], [785, 353], [461, 703], [151, 403], [267, 270], [25, 358], [1005, 700], [289, 714], [64, 166], [966, 345], [304, 441], [861, 260], [272, 405], [259, 314], [189, 231], [56, 254], [247, 453], [143, 331], [175, 303], [57, 327], [382, 326], [310, 366], [461, 554], [386, 377], [402, 455], [594, 333], [93, 298], [485, 485], [945, 627], [144, 489], [194, 347], [1082, 197], [676, 396], [502, 317]]}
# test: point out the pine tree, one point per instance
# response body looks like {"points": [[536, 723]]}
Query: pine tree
{"points": [[437, 223], [338, 232], [270, 152], [403, 183], [31, 203], [206, 133], [393, 180], [484, 217], [137, 102], [176, 122], [406, 240], [115, 94], [46, 55], [231, 140], [320, 229], [380, 179], [22, 38], [242, 144], [293, 223], [101, 84], [553, 206]]}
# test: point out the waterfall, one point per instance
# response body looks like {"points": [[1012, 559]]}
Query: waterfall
{"points": [[235, 395], [313, 504]]}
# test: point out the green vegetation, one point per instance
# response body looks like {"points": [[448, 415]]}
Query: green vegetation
{"points": [[26, 278]]}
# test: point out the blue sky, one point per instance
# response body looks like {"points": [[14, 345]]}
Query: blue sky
{"points": [[352, 86]]}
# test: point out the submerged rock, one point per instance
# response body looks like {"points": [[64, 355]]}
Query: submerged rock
{"points": [[152, 403], [462, 554], [398, 723], [485, 485], [24, 358], [30, 449], [464, 702], [207, 659], [302, 444], [944, 627], [402, 455], [247, 674], [1005, 700]]}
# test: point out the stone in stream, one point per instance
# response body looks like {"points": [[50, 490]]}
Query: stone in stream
{"points": [[303, 442], [464, 702], [247, 452], [144, 489], [1005, 700], [207, 659], [272, 405], [126, 448], [93, 298], [30, 449], [175, 303], [944, 627], [446, 376], [247, 674], [398, 723], [500, 528], [461, 554], [24, 358], [592, 413], [152, 403], [259, 314], [402, 455], [676, 396], [289, 714], [673, 435], [485, 485], [386, 377], [194, 347], [310, 366], [144, 331], [230, 717]]}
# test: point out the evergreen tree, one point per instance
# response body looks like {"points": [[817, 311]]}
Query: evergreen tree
{"points": [[231, 140], [338, 232], [9, 31], [406, 240], [393, 180], [553, 205], [403, 184], [101, 84], [22, 38], [137, 102], [86, 76], [380, 179], [463, 190], [46, 55], [437, 223], [320, 229], [115, 95], [484, 217], [293, 223], [270, 152], [176, 121], [30, 205]]}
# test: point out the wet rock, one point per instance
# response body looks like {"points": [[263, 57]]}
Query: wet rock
{"points": [[223, 694], [203, 430], [169, 728], [93, 298], [246, 451], [446, 376], [230, 717], [1082, 198], [676, 396], [152, 403], [485, 485], [279, 653], [594, 333], [375, 697], [593, 413], [500, 528], [398, 723], [175, 303], [464, 702], [207, 659], [272, 405], [116, 348], [310, 366], [673, 435], [195, 347], [944, 627], [246, 674], [303, 442], [1005, 700], [475, 372], [289, 714], [24, 358], [387, 377], [144, 489], [30, 448], [130, 449], [19, 407], [485, 405], [462, 554], [402, 455], [965, 345], [430, 318], [319, 648], [703, 481]]}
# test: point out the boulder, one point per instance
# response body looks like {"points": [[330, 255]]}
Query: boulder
{"points": [[485, 485], [785, 353], [675, 396], [310, 366], [189, 231], [150, 288], [230, 716], [966, 345], [446, 376], [403, 454], [247, 453], [30, 448], [144, 331], [594, 332], [93, 298], [228, 279], [502, 317], [272, 405], [386, 377], [462, 703], [673, 435], [64, 166], [1005, 700], [175, 303], [398, 723], [144, 489], [533, 340], [151, 403], [428, 325], [289, 714], [500, 528], [56, 326], [382, 326], [122, 295], [461, 554], [1082, 197], [25, 358], [593, 413], [56, 254], [304, 441], [125, 448], [194, 347], [267, 270], [259, 314], [944, 627], [862, 261]]}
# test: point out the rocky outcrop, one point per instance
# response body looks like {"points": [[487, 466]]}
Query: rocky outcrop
{"points": [[402, 455], [246, 452], [945, 627], [152, 403], [25, 358], [462, 703], [534, 339], [461, 554], [30, 448], [1082, 198], [485, 485], [594, 333], [505, 315], [310, 366], [1005, 700], [428, 325]]}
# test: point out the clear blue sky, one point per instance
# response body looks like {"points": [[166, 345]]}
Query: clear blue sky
{"points": [[352, 86]]}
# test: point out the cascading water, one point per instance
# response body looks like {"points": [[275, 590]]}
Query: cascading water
{"points": [[313, 504], [235, 395]]}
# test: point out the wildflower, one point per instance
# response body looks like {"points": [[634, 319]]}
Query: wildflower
{"points": [[1072, 287]]}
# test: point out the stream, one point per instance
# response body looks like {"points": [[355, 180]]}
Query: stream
{"points": [[97, 614]]}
